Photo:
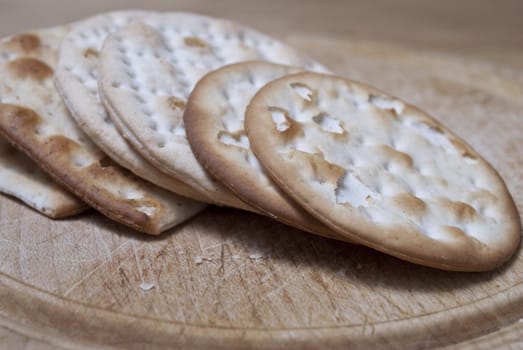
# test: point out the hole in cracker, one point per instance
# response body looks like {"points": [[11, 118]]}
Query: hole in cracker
{"points": [[160, 142], [280, 117], [147, 111], [126, 61], [153, 125], [303, 90], [115, 84], [350, 190], [42, 130], [328, 124], [130, 73]]}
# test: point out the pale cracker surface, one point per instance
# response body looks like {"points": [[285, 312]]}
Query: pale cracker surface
{"points": [[34, 118], [214, 122], [382, 172], [76, 81], [147, 71]]}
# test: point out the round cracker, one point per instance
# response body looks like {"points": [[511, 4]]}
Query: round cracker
{"points": [[382, 172]]}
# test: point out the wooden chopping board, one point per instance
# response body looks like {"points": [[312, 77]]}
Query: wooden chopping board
{"points": [[230, 279]]}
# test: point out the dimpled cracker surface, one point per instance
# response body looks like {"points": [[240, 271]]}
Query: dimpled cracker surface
{"points": [[76, 80], [214, 118], [34, 118], [148, 70], [382, 172]]}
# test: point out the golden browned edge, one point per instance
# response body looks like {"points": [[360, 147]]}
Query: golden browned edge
{"points": [[199, 125], [467, 254], [52, 154]]}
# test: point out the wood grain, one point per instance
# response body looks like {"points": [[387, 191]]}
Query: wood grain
{"points": [[229, 279]]}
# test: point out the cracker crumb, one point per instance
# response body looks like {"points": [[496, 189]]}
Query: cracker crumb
{"points": [[255, 256], [146, 286], [200, 259]]}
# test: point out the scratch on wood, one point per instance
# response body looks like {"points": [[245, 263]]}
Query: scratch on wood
{"points": [[199, 242], [140, 272], [232, 271], [212, 246], [279, 289], [102, 264]]}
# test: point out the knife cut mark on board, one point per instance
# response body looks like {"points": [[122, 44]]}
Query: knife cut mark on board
{"points": [[98, 267]]}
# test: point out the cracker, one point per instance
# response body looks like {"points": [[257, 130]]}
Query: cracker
{"points": [[34, 118], [76, 81], [22, 179], [147, 71], [213, 120], [382, 172]]}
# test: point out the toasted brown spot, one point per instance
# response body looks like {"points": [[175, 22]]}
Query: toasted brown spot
{"points": [[323, 170], [410, 204], [454, 232], [462, 210], [26, 42], [194, 41], [30, 68], [395, 156], [176, 103], [61, 145], [19, 117], [90, 53]]}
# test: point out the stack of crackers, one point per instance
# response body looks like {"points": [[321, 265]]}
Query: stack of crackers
{"points": [[150, 117]]}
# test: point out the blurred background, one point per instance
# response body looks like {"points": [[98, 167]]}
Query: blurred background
{"points": [[480, 29]]}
